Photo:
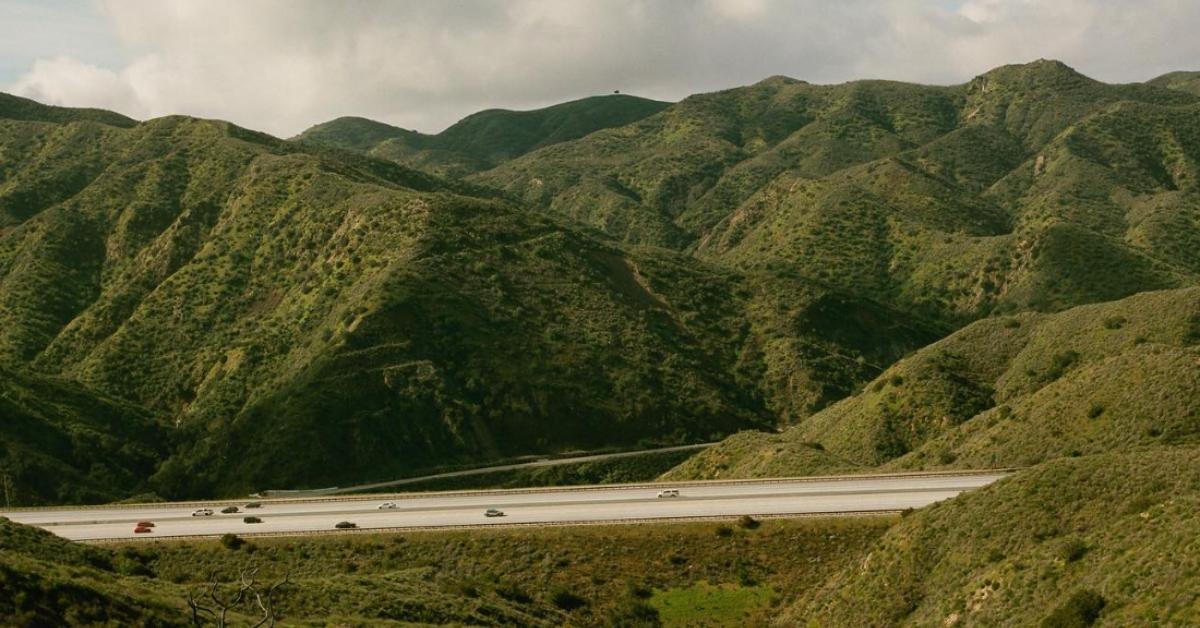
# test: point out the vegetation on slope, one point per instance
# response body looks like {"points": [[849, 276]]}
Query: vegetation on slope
{"points": [[1182, 81], [1005, 391], [316, 317], [1105, 540], [60, 442], [592, 575], [302, 315], [485, 139], [1031, 187]]}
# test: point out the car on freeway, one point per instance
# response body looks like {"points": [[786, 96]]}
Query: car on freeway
{"points": [[669, 492], [253, 505], [202, 512], [345, 525], [229, 510], [388, 506], [145, 524], [251, 520], [493, 512], [142, 530]]}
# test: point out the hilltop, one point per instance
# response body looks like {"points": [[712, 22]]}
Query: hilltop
{"points": [[1183, 81], [485, 139]]}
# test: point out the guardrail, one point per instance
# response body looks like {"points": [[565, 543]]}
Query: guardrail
{"points": [[500, 526]]}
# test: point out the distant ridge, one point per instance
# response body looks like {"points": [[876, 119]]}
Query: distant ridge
{"points": [[484, 139]]}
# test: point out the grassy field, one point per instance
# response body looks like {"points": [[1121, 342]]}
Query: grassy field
{"points": [[704, 604]]}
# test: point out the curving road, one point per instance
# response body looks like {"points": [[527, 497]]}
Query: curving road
{"points": [[525, 506]]}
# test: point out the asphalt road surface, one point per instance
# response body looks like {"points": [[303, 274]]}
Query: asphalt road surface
{"points": [[558, 506]]}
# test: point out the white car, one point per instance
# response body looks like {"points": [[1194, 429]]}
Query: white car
{"points": [[670, 492], [202, 512], [493, 512], [387, 506]]}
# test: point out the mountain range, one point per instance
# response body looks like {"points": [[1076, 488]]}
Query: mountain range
{"points": [[891, 273]]}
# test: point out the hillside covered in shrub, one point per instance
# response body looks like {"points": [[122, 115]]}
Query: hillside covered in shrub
{"points": [[611, 272]]}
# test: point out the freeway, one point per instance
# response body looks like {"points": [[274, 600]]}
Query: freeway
{"points": [[523, 506]]}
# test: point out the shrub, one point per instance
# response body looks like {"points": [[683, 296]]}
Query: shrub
{"points": [[633, 612], [513, 593], [566, 600], [724, 531], [232, 541], [1095, 410], [1114, 322], [1061, 362], [1072, 549], [748, 523], [1080, 610], [640, 591]]}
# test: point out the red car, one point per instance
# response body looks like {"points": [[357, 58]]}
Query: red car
{"points": [[145, 524], [141, 530]]}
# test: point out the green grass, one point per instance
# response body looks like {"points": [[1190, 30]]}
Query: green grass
{"points": [[704, 604]]}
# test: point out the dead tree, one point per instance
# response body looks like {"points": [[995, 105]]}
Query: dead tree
{"points": [[212, 605]]}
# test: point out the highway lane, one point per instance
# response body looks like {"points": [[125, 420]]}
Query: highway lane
{"points": [[583, 504]]}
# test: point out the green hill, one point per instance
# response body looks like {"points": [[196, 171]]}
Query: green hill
{"points": [[485, 139], [1183, 81], [307, 316], [946, 202], [1003, 392], [60, 442], [316, 317], [1106, 540]]}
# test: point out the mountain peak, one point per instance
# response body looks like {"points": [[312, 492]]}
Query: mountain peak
{"points": [[779, 79], [1039, 74]]}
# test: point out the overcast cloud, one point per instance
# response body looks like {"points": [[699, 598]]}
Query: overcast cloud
{"points": [[282, 65]]}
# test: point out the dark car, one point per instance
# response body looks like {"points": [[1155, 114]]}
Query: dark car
{"points": [[251, 520], [344, 525], [229, 510]]}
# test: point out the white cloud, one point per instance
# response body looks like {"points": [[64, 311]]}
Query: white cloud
{"points": [[281, 65], [68, 80]]}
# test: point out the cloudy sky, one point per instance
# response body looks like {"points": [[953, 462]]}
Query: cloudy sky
{"points": [[282, 65]]}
